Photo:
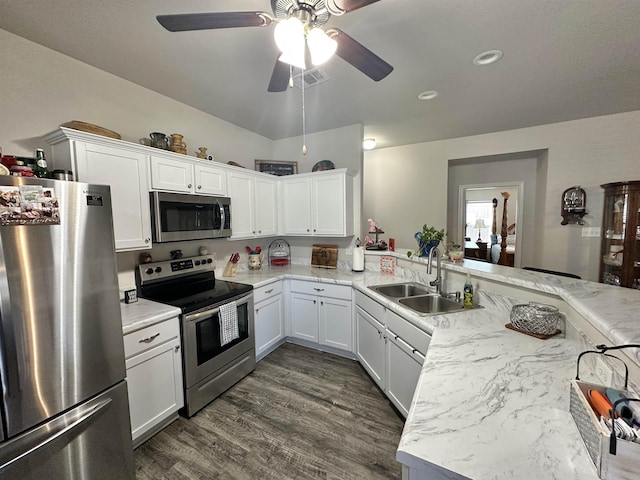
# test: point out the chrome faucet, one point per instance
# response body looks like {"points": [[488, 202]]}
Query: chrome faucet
{"points": [[438, 281]]}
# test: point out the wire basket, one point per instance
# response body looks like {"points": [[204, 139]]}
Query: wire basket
{"points": [[537, 318]]}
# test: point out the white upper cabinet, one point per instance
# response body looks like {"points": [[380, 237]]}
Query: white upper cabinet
{"points": [[95, 159], [185, 176], [296, 206], [254, 204], [209, 180], [319, 204]]}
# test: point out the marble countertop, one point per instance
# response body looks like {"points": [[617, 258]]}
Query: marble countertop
{"points": [[490, 403], [144, 313]]}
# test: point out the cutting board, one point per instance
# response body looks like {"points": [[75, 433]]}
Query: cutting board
{"points": [[324, 256]]}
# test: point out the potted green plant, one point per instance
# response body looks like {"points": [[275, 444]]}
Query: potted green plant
{"points": [[455, 252], [428, 238]]}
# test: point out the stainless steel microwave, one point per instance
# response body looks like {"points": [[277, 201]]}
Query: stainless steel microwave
{"points": [[177, 217]]}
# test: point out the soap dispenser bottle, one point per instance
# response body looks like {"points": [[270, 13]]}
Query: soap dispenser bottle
{"points": [[468, 292]]}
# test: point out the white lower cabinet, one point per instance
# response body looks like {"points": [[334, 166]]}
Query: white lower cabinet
{"points": [[154, 377], [370, 346], [304, 317], [391, 350], [322, 314], [269, 318], [403, 370]]}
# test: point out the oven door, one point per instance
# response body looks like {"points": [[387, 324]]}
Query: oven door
{"points": [[203, 354], [178, 217]]}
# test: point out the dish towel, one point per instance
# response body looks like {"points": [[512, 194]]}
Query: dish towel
{"points": [[228, 323]]}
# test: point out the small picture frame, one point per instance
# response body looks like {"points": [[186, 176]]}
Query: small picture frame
{"points": [[276, 167]]}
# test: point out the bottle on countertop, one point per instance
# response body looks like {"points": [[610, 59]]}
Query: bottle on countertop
{"points": [[41, 169], [468, 292]]}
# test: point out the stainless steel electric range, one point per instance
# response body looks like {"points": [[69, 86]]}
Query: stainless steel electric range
{"points": [[209, 364]]}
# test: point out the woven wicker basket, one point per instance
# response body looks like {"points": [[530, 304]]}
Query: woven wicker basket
{"points": [[537, 318]]}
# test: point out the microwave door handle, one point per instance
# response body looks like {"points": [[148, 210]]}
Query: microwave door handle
{"points": [[223, 217]]}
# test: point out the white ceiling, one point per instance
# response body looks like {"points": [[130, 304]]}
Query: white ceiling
{"points": [[563, 60]]}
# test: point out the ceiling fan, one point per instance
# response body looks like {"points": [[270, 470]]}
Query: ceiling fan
{"points": [[308, 16]]}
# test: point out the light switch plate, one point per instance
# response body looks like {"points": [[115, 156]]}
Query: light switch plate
{"points": [[590, 231]]}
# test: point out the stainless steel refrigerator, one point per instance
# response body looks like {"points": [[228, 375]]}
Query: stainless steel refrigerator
{"points": [[64, 406]]}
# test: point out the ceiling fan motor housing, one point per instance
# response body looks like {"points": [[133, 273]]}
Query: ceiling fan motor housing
{"points": [[311, 13]]}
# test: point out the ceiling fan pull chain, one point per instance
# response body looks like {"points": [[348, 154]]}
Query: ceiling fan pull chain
{"points": [[304, 119]]}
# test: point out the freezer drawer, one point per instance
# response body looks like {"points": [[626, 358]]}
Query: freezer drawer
{"points": [[90, 442]]}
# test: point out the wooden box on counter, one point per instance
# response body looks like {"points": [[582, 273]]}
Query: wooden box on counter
{"points": [[625, 464], [324, 256]]}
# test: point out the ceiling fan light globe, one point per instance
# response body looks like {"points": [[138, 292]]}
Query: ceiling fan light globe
{"points": [[321, 46], [294, 57], [288, 32]]}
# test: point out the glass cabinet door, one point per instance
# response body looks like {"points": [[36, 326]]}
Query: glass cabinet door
{"points": [[620, 262]]}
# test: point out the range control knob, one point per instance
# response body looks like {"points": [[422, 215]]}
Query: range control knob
{"points": [[158, 269], [149, 271], [209, 260], [197, 262]]}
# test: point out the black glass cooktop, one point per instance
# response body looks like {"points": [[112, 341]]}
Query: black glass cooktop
{"points": [[194, 292]]}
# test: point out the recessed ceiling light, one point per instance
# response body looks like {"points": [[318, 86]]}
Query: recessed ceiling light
{"points": [[369, 143], [488, 57], [428, 95]]}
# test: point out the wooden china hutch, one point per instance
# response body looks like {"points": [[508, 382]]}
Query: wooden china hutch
{"points": [[620, 250]]}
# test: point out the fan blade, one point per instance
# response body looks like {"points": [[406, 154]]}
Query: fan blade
{"points": [[360, 56], [345, 6], [206, 21], [280, 77]]}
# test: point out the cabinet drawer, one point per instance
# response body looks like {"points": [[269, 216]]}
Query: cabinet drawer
{"points": [[321, 289], [149, 337], [411, 334], [268, 291], [370, 306]]}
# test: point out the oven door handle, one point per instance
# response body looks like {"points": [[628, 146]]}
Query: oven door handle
{"points": [[197, 316], [213, 311]]}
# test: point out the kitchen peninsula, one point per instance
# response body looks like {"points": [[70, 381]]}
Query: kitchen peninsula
{"points": [[490, 402]]}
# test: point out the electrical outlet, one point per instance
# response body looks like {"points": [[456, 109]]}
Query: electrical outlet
{"points": [[349, 251], [590, 231]]}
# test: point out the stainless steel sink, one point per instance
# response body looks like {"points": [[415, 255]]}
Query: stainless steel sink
{"points": [[431, 304], [419, 298], [401, 290]]}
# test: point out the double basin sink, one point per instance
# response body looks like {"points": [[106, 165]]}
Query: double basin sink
{"points": [[418, 298]]}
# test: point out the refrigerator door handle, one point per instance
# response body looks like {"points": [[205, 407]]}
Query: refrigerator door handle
{"points": [[65, 425]]}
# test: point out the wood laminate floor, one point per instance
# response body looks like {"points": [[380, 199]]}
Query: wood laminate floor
{"points": [[302, 414]]}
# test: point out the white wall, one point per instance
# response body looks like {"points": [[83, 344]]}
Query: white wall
{"points": [[343, 146], [42, 88], [407, 186]]}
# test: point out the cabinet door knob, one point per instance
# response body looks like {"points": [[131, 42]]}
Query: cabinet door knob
{"points": [[176, 348], [199, 187], [189, 186], [314, 302], [307, 229], [259, 231], [321, 303], [147, 240]]}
